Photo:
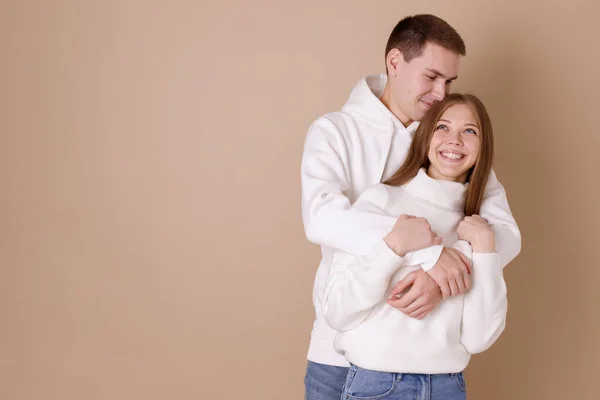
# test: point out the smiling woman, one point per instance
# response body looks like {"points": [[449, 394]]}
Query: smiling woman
{"points": [[436, 195], [454, 147], [454, 142]]}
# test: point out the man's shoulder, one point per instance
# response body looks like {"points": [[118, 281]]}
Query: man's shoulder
{"points": [[338, 119], [346, 125]]}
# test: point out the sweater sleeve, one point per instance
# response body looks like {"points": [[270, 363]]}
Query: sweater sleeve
{"points": [[496, 211], [329, 218], [356, 284], [485, 304]]}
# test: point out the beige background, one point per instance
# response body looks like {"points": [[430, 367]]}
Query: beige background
{"points": [[151, 244]]}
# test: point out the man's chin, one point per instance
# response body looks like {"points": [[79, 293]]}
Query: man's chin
{"points": [[418, 116], [421, 110]]}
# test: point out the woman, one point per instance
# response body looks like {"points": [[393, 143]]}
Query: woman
{"points": [[441, 183]]}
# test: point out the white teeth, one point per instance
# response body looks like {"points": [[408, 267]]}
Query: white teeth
{"points": [[452, 156]]}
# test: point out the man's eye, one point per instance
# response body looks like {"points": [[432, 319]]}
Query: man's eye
{"points": [[431, 78]]}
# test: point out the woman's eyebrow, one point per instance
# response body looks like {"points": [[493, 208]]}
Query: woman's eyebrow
{"points": [[449, 122]]}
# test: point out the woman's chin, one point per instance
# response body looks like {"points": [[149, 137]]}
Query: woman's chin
{"points": [[454, 175]]}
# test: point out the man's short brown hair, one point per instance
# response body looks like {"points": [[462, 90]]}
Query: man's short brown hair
{"points": [[412, 33]]}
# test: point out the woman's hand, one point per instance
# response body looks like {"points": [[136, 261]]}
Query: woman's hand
{"points": [[477, 231], [410, 234]]}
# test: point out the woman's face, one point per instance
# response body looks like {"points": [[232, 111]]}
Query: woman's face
{"points": [[455, 144]]}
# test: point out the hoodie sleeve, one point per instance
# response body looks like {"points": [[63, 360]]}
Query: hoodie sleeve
{"points": [[356, 284], [329, 218], [496, 211]]}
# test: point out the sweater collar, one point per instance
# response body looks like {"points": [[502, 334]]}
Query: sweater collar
{"points": [[364, 100], [446, 194]]}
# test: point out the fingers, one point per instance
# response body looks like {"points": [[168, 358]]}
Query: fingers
{"points": [[473, 222], [462, 274], [402, 285], [463, 280], [479, 218], [407, 299], [421, 312], [399, 304], [418, 309], [467, 280], [421, 297], [455, 283], [460, 283], [445, 288], [437, 240], [465, 261], [425, 223], [415, 305], [453, 286]]}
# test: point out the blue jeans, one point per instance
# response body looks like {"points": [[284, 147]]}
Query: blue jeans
{"points": [[324, 382], [364, 384]]}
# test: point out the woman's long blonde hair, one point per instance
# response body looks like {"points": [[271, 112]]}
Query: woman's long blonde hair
{"points": [[418, 154]]}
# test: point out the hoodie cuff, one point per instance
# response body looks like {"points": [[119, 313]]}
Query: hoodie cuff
{"points": [[426, 257], [384, 258]]}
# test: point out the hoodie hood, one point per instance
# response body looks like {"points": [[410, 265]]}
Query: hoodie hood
{"points": [[364, 101]]}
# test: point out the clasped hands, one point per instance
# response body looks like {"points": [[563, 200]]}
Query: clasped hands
{"points": [[417, 294]]}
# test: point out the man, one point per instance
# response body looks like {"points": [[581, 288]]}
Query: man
{"points": [[363, 144]]}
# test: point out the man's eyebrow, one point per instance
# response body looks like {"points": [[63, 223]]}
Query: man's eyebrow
{"points": [[438, 73]]}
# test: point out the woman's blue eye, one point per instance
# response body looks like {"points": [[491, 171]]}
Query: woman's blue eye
{"points": [[471, 131], [441, 127]]}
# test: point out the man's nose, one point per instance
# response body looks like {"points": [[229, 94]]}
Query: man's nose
{"points": [[439, 91]]}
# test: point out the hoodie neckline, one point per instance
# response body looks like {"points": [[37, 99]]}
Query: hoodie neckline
{"points": [[364, 101]]}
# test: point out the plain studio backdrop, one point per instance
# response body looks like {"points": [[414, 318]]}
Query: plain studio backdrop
{"points": [[151, 242]]}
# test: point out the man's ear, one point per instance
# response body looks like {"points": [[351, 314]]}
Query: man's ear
{"points": [[393, 61]]}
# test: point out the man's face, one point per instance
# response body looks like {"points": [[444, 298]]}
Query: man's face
{"points": [[418, 84]]}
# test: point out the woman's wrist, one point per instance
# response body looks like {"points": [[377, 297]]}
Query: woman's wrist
{"points": [[395, 243], [484, 245]]}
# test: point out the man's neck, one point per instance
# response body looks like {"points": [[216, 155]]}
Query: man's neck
{"points": [[386, 99]]}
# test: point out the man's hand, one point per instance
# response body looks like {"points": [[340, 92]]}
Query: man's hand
{"points": [[451, 273], [419, 295], [409, 234]]}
